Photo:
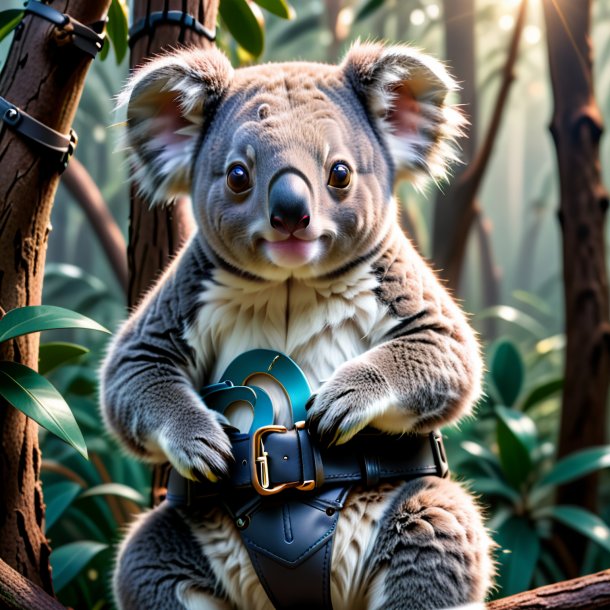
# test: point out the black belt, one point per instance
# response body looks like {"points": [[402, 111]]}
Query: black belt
{"points": [[285, 493]]}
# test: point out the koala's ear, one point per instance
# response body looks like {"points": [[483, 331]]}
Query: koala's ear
{"points": [[168, 101], [404, 92]]}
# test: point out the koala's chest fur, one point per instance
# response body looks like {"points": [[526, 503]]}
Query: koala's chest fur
{"points": [[320, 324]]}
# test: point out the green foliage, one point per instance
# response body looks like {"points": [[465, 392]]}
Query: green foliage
{"points": [[28, 390], [9, 20], [70, 559], [240, 20], [117, 30]]}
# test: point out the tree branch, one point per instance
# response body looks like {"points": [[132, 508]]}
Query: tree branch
{"points": [[19, 593], [452, 228], [586, 592], [79, 183]]}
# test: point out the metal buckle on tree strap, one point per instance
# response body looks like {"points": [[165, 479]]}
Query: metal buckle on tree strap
{"points": [[27, 126], [260, 459], [87, 38], [148, 24]]}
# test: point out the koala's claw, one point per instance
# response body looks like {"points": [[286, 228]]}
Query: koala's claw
{"points": [[346, 404], [198, 452]]}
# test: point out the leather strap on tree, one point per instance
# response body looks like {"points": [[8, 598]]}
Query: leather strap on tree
{"points": [[56, 144], [87, 38], [148, 24]]}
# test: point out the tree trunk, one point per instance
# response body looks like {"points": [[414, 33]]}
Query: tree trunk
{"points": [[156, 234], [455, 216], [576, 128], [45, 81]]}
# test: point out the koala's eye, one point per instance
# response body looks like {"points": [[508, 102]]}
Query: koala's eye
{"points": [[238, 178], [340, 176]]}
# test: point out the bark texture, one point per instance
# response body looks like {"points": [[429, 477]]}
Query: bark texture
{"points": [[576, 127], [19, 593], [46, 81], [156, 234], [587, 592]]}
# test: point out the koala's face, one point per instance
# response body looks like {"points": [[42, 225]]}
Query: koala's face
{"points": [[290, 166]]}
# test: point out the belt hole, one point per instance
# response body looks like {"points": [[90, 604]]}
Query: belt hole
{"points": [[244, 462], [285, 458], [330, 511], [242, 522]]}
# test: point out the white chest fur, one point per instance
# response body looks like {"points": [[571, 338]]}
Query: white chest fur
{"points": [[318, 324]]}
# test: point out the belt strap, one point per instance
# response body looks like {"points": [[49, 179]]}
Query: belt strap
{"points": [[57, 144], [285, 493], [87, 38]]}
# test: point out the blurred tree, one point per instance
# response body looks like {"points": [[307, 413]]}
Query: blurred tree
{"points": [[576, 128], [44, 77]]}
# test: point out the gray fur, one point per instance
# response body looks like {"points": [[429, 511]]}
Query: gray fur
{"points": [[347, 296]]}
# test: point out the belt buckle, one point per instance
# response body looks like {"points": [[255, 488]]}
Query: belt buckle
{"points": [[260, 464]]}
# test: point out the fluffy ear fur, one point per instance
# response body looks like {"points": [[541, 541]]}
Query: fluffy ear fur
{"points": [[168, 101], [405, 94]]}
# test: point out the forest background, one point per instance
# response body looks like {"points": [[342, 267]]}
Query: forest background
{"points": [[509, 277]]}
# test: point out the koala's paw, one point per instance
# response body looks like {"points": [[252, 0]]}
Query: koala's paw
{"points": [[198, 448], [348, 402]]}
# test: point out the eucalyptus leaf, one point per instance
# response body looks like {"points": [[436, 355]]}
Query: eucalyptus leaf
{"points": [[243, 25], [515, 317], [118, 29], [495, 487], [53, 354], [507, 371], [57, 498], [575, 466], [36, 397], [281, 8], [298, 28], [580, 520], [518, 556], [36, 318], [368, 9], [517, 441], [541, 392], [69, 560], [9, 20], [115, 489]]}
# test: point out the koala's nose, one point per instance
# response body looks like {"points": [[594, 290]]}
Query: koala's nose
{"points": [[289, 203]]}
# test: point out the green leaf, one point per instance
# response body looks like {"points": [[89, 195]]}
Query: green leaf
{"points": [[281, 8], [515, 317], [541, 392], [70, 559], [115, 489], [36, 318], [118, 29], [518, 555], [34, 395], [368, 9], [575, 466], [243, 25], [580, 520], [507, 371], [54, 354], [57, 498], [517, 442], [9, 20], [495, 487], [534, 301]]}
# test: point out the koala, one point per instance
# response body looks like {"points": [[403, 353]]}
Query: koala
{"points": [[291, 169]]}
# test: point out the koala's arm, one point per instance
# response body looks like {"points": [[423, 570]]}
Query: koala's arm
{"points": [[147, 379], [425, 370]]}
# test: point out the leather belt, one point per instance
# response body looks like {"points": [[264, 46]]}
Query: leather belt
{"points": [[285, 493]]}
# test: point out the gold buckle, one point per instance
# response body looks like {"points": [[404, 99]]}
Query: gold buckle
{"points": [[260, 460]]}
